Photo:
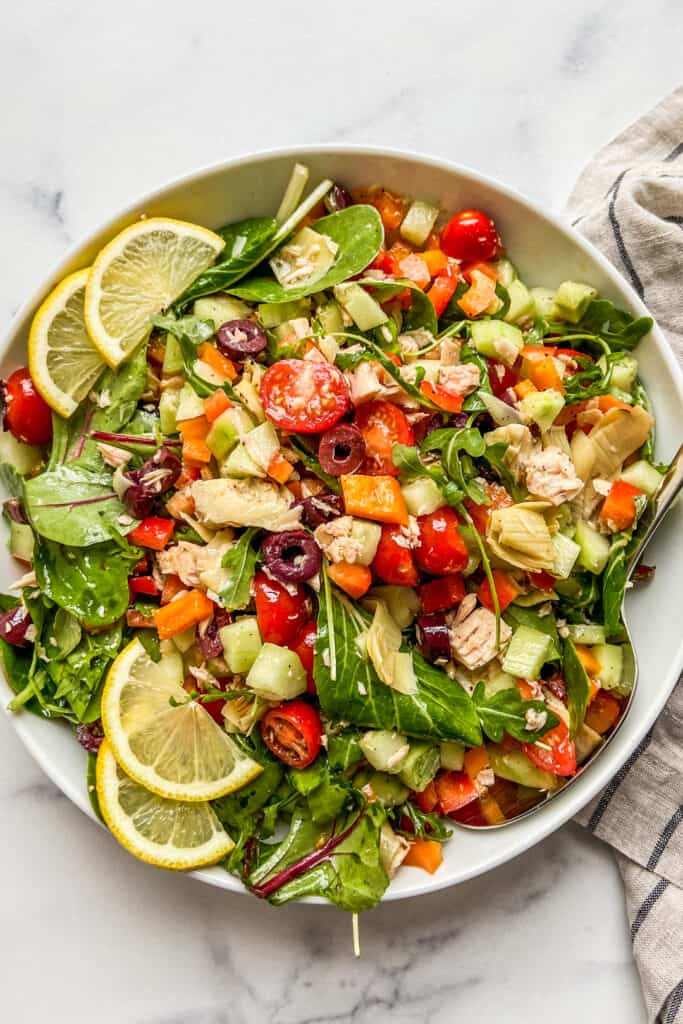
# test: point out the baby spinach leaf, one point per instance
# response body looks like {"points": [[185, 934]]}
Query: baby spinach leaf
{"points": [[91, 583], [149, 639], [358, 233], [16, 661], [246, 243], [343, 750], [73, 506], [241, 561], [505, 711], [78, 678], [350, 690], [578, 687], [62, 635], [617, 327]]}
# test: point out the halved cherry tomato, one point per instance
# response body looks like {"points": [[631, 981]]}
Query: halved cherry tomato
{"points": [[27, 414], [303, 645], [441, 594], [560, 759], [454, 790], [382, 425], [393, 561], [441, 549], [470, 235], [304, 396], [293, 732], [280, 615]]}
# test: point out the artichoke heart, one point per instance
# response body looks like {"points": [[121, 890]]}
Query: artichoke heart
{"points": [[618, 434], [519, 535], [382, 643]]}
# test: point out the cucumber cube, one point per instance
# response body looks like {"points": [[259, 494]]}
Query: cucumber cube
{"points": [[21, 541], [386, 751], [566, 554], [219, 309], [368, 536], [594, 547], [421, 765], [542, 407], [229, 428], [329, 315], [521, 302], [240, 465], [497, 340], [544, 300], [173, 356], [183, 641], [24, 457], [587, 633], [527, 653], [644, 475], [418, 222], [611, 658], [360, 305], [506, 272], [452, 755], [272, 314], [262, 444], [241, 643], [500, 681], [402, 602], [572, 300], [190, 405], [388, 789], [422, 497], [515, 766], [277, 673], [624, 372], [168, 409]]}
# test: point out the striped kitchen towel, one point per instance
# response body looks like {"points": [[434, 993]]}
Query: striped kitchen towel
{"points": [[629, 203]]}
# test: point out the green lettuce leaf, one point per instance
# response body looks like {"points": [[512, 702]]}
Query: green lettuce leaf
{"points": [[91, 583]]}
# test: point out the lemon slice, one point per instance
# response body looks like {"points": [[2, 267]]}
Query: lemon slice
{"points": [[167, 833], [168, 744], [140, 273], [62, 360]]}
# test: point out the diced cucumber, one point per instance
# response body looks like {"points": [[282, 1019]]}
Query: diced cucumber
{"points": [[23, 457], [624, 372], [521, 302], [402, 602], [241, 643], [359, 304], [185, 640], [515, 766], [388, 789], [587, 633], [566, 553], [329, 315], [190, 405], [368, 536], [505, 272], [272, 314], [227, 429], [542, 407], [386, 751], [168, 410], [304, 259], [220, 308], [497, 339], [262, 444], [452, 755], [173, 356], [527, 652], [249, 394], [240, 465], [277, 673], [611, 658], [207, 373], [422, 496], [544, 300], [585, 742], [21, 541], [572, 300], [421, 765], [418, 222], [644, 475], [594, 546], [499, 681]]}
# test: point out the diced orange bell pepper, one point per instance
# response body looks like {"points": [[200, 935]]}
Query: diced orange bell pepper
{"points": [[526, 690], [441, 397], [390, 209], [603, 712], [210, 355], [543, 374], [619, 508], [216, 404], [279, 469], [476, 760], [491, 810], [479, 296], [442, 291], [588, 660], [355, 580], [426, 854], [506, 590], [481, 267], [193, 433], [436, 260], [415, 269], [374, 497], [179, 615], [607, 402], [524, 388]]}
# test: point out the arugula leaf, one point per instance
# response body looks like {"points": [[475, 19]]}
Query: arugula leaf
{"points": [[494, 455], [451, 443], [343, 865], [614, 584], [241, 560], [505, 711], [424, 826], [517, 616], [617, 327], [73, 506], [504, 295], [79, 677], [246, 243], [91, 583], [578, 687], [394, 371], [473, 402], [358, 233], [350, 690], [411, 466], [300, 445]]}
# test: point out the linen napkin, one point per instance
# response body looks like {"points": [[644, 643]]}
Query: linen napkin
{"points": [[629, 203]]}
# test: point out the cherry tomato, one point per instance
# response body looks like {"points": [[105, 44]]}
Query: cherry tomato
{"points": [[393, 561], [470, 235], [27, 414], [560, 759], [280, 615], [382, 425], [304, 646], [441, 549], [293, 732], [304, 396]]}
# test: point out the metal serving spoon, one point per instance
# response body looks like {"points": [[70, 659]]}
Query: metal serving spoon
{"points": [[671, 485]]}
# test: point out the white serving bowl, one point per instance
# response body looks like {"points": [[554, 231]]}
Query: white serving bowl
{"points": [[546, 251]]}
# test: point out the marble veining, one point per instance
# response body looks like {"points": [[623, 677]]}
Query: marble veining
{"points": [[99, 107]]}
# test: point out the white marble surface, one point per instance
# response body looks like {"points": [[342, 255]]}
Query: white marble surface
{"points": [[103, 102]]}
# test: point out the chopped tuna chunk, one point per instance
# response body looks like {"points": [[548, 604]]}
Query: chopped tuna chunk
{"points": [[473, 638], [550, 474]]}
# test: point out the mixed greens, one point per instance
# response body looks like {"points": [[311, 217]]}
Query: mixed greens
{"points": [[372, 499]]}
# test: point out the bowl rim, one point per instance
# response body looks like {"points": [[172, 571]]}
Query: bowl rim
{"points": [[563, 806]]}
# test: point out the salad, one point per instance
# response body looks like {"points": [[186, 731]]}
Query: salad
{"points": [[324, 521]]}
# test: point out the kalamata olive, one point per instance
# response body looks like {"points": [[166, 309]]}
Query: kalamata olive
{"points": [[432, 635], [90, 736], [337, 199], [156, 476], [15, 625], [138, 501], [321, 508], [292, 556], [238, 339], [209, 641], [14, 510], [557, 686], [341, 449]]}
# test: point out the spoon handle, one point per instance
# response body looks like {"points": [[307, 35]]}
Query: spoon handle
{"points": [[663, 499]]}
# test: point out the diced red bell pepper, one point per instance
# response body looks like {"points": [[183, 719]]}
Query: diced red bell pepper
{"points": [[619, 508], [441, 594], [442, 291], [543, 580], [441, 397], [427, 799], [454, 790], [506, 590], [153, 532], [143, 585]]}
